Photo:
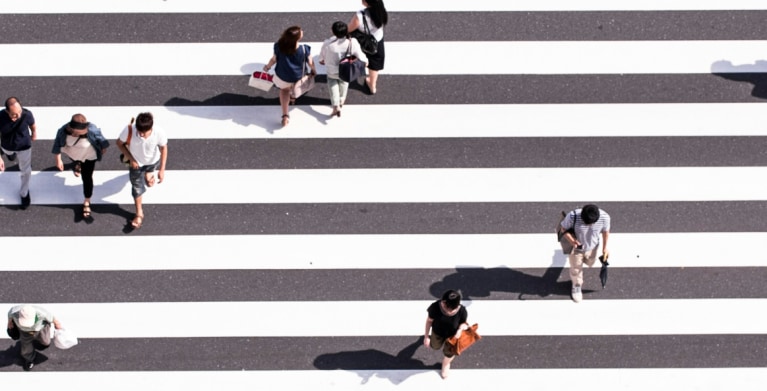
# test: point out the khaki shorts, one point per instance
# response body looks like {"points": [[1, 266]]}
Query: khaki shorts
{"points": [[437, 342]]}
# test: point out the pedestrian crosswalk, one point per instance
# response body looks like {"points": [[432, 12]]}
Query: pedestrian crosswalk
{"points": [[306, 256]]}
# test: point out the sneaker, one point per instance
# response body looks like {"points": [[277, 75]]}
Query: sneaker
{"points": [[26, 201], [577, 294], [28, 365]]}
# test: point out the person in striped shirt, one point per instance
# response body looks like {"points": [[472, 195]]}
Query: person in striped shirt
{"points": [[589, 224]]}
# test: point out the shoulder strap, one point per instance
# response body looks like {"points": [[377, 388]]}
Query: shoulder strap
{"points": [[130, 131]]}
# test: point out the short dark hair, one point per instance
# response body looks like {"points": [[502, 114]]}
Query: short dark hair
{"points": [[340, 29], [452, 299], [144, 122], [590, 214]]}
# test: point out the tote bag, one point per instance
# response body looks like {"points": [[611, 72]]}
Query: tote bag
{"points": [[261, 80], [305, 83], [350, 68]]}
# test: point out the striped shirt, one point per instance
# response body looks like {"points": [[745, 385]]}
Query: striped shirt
{"points": [[587, 234]]}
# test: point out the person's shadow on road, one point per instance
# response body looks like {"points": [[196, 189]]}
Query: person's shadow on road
{"points": [[371, 362]]}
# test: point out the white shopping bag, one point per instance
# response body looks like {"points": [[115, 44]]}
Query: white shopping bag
{"points": [[64, 339]]}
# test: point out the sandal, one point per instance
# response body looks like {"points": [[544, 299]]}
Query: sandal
{"points": [[285, 120], [86, 210], [78, 168], [137, 221]]}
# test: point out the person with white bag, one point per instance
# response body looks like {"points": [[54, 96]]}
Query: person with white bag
{"points": [[31, 324]]}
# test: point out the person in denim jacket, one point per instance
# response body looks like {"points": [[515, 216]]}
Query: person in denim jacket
{"points": [[82, 142]]}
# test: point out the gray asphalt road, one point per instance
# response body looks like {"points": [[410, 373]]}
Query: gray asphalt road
{"points": [[342, 352]]}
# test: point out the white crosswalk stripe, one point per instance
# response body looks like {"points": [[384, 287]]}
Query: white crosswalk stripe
{"points": [[183, 303]]}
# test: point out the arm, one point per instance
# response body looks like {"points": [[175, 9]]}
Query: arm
{"points": [[605, 236], [33, 128], [270, 63], [427, 332], [354, 23], [57, 324], [10, 323], [163, 160], [59, 162], [310, 60], [124, 149]]}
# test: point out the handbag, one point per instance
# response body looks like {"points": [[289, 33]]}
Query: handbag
{"points": [[305, 83], [14, 333], [468, 337], [123, 159], [368, 43], [261, 81], [64, 339], [350, 68]]}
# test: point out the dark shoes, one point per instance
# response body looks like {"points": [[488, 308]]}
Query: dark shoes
{"points": [[26, 201], [11, 157], [28, 365]]}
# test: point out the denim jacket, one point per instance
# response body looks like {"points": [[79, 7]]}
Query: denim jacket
{"points": [[94, 136]]}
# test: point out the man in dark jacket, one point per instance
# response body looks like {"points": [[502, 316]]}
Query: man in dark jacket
{"points": [[17, 130]]}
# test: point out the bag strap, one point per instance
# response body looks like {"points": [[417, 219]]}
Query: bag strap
{"points": [[130, 131], [365, 22]]}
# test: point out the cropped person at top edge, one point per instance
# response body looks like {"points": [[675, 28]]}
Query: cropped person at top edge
{"points": [[376, 16]]}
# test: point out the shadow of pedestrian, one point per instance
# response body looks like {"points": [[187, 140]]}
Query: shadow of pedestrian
{"points": [[484, 282], [755, 74], [371, 362]]}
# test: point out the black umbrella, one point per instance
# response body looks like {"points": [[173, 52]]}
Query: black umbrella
{"points": [[603, 272]]}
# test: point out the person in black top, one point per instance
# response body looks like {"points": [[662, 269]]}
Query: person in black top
{"points": [[17, 131], [447, 318]]}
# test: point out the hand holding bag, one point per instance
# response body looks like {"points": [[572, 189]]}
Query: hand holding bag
{"points": [[467, 338], [306, 82], [350, 68], [64, 339], [261, 80], [123, 159]]}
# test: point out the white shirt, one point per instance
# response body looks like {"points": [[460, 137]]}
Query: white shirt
{"points": [[145, 151], [376, 32], [334, 50]]}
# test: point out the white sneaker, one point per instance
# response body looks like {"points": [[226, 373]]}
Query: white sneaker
{"points": [[577, 294]]}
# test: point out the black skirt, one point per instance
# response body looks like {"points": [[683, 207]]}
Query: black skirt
{"points": [[376, 61]]}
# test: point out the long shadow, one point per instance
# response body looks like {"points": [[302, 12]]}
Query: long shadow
{"points": [[370, 362], [482, 282], [755, 74], [12, 355]]}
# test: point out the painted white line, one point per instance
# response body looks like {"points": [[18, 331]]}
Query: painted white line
{"points": [[404, 185], [228, 6], [425, 251], [416, 121], [568, 57], [625, 379], [402, 318]]}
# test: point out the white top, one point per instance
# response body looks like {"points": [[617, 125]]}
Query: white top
{"points": [[378, 33], [79, 149], [145, 151], [334, 50]]}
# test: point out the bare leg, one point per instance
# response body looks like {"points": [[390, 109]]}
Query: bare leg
{"points": [[371, 80], [446, 366], [284, 103]]}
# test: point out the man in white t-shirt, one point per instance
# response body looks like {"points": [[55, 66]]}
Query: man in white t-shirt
{"points": [[146, 149]]}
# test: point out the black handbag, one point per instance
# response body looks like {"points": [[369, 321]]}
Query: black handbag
{"points": [[350, 68], [368, 43], [14, 333]]}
